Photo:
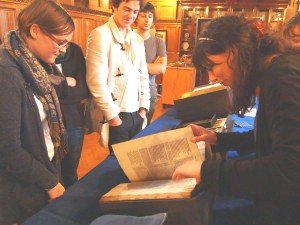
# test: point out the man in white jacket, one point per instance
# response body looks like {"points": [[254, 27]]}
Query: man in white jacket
{"points": [[117, 74]]}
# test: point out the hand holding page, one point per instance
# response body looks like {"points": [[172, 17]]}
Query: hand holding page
{"points": [[156, 156]]}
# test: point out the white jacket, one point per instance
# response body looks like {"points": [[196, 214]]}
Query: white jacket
{"points": [[105, 61]]}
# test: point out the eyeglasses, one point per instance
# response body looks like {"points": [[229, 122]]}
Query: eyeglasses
{"points": [[59, 43]]}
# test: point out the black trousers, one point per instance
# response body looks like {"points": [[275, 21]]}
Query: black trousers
{"points": [[131, 125]]}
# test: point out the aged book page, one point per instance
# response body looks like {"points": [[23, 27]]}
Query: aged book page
{"points": [[149, 163], [156, 156], [159, 189], [205, 89]]}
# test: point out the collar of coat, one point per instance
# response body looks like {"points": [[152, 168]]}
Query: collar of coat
{"points": [[119, 37]]}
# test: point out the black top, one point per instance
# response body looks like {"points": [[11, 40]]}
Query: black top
{"points": [[70, 100], [25, 168], [272, 180]]}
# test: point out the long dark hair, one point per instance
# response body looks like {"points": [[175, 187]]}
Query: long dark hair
{"points": [[239, 35]]}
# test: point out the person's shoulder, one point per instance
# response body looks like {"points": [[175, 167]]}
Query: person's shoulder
{"points": [[101, 34], [10, 72], [283, 69], [158, 39], [137, 37], [102, 30], [7, 63], [286, 63], [75, 47]]}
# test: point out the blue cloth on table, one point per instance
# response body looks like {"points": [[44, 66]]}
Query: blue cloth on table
{"points": [[164, 123], [79, 205], [242, 124], [156, 219], [232, 211]]}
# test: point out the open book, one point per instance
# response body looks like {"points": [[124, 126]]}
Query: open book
{"points": [[149, 163]]}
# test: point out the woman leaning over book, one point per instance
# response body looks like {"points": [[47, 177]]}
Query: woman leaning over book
{"points": [[32, 134], [234, 52]]}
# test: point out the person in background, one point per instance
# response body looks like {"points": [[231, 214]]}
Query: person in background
{"points": [[71, 63], [156, 55], [232, 53], [33, 138], [117, 74], [292, 31]]}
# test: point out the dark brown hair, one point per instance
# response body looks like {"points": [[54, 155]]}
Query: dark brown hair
{"points": [[48, 15], [116, 3], [249, 49], [148, 7]]}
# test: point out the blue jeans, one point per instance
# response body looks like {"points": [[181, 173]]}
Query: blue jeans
{"points": [[70, 162], [153, 98], [131, 125]]}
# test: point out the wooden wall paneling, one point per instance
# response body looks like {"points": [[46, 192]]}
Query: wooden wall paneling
{"points": [[84, 21], [177, 81], [173, 34], [8, 20], [101, 21], [67, 2], [79, 31], [101, 5], [84, 24], [165, 9], [166, 12], [88, 25], [8, 15]]}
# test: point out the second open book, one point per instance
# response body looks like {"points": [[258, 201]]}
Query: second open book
{"points": [[149, 163]]}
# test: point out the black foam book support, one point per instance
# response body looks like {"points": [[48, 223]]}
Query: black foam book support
{"points": [[203, 106]]}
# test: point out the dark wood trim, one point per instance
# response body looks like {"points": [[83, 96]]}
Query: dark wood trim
{"points": [[167, 21], [86, 10], [236, 3], [18, 1]]}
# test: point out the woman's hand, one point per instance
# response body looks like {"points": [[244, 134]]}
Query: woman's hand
{"points": [[190, 169], [114, 122], [71, 81], [202, 134], [143, 113], [56, 192]]}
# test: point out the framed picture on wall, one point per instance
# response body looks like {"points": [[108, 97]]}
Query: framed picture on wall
{"points": [[201, 25], [162, 34]]}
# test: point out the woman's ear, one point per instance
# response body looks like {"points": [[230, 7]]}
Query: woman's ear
{"points": [[34, 31], [232, 53]]}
